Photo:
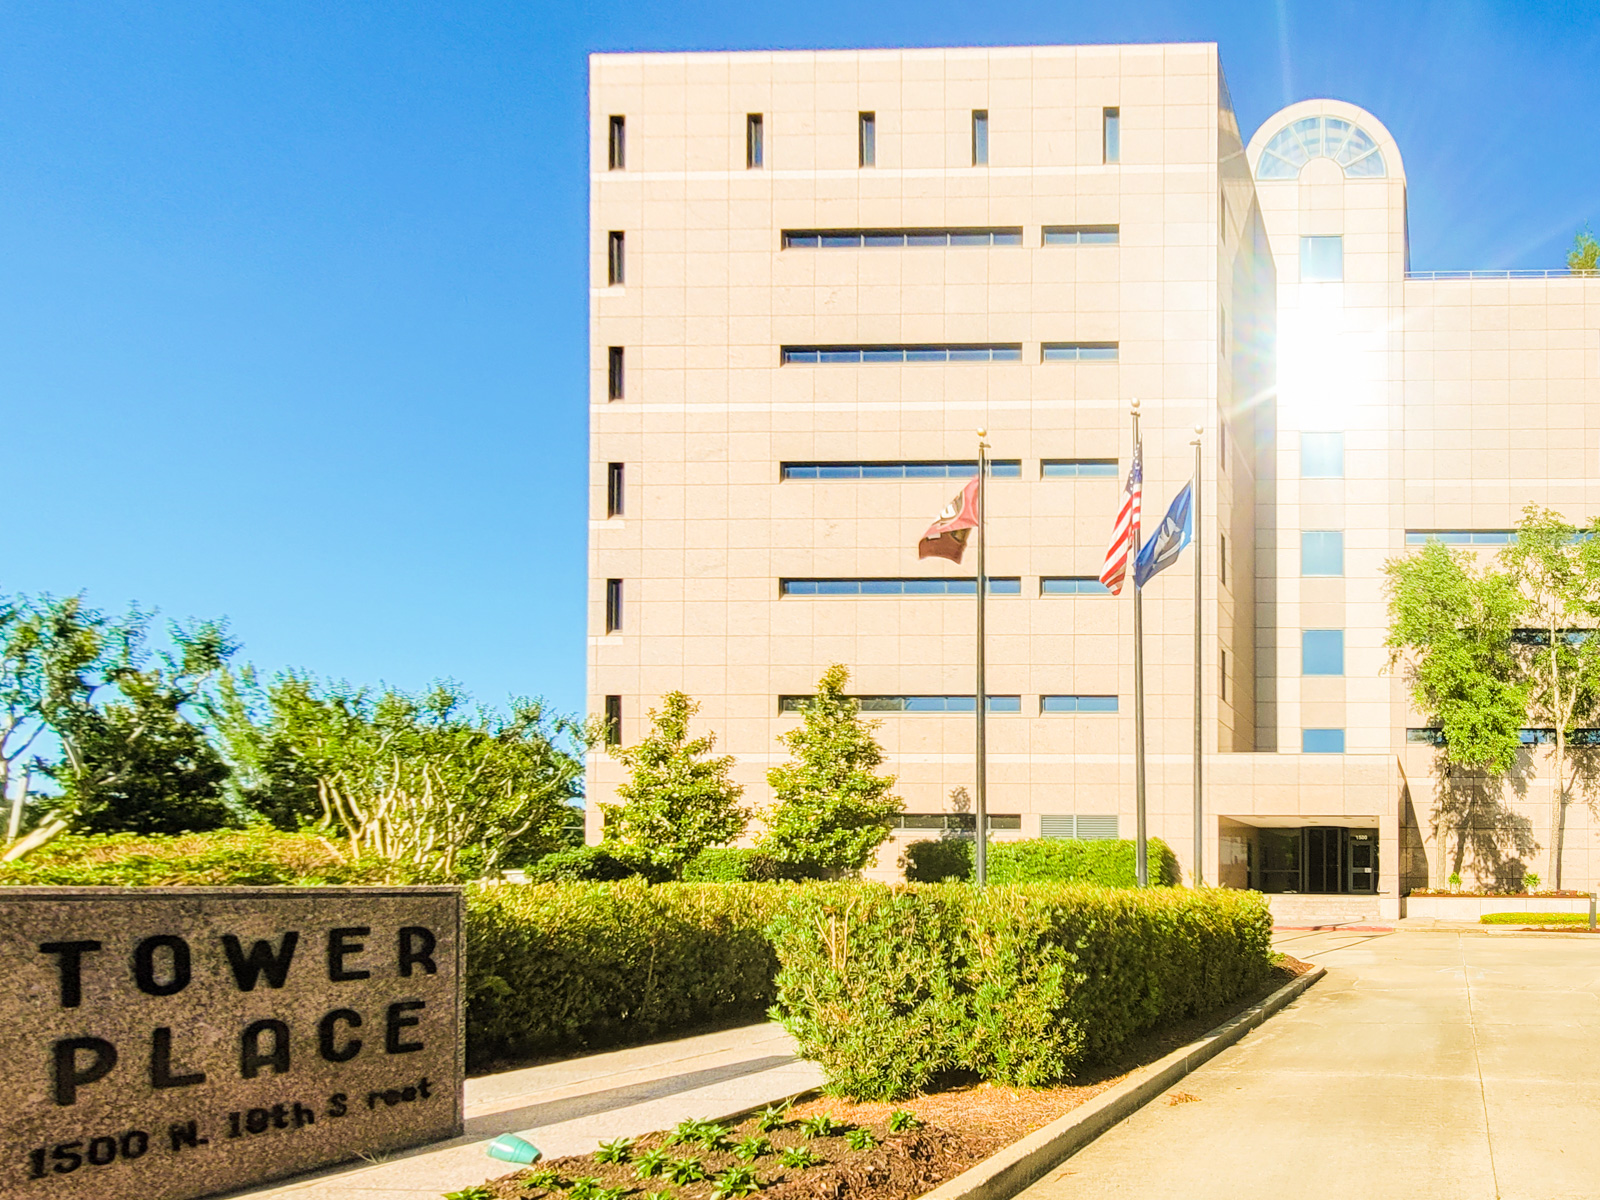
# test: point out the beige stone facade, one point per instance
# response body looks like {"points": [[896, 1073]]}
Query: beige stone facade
{"points": [[1118, 240]]}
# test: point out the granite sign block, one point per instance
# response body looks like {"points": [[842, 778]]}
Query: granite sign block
{"points": [[168, 1043]]}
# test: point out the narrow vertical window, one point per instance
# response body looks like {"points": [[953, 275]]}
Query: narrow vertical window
{"points": [[617, 156], [613, 720], [1222, 559], [613, 489], [1224, 665], [868, 136], [1111, 130], [614, 259], [613, 605], [614, 373], [980, 137], [752, 142]]}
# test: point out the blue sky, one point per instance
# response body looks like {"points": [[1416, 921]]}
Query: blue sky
{"points": [[292, 295]]}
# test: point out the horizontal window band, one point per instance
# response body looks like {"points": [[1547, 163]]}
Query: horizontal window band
{"points": [[999, 468], [1078, 352], [913, 704], [1080, 235], [868, 239], [1077, 704], [1072, 585], [1084, 828], [956, 822], [1461, 537], [1528, 737], [999, 585], [956, 352], [1078, 468]]}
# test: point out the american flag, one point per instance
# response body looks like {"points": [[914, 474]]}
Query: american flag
{"points": [[1126, 530]]}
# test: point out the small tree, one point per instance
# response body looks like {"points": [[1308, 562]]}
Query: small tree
{"points": [[677, 800], [1555, 568], [1584, 257], [832, 809]]}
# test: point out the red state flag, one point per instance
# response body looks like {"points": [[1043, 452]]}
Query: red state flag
{"points": [[947, 537]]}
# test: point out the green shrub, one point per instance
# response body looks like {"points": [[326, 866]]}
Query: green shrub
{"points": [[888, 987], [257, 856], [1102, 863], [563, 966], [591, 864], [938, 861], [1534, 918], [741, 864]]}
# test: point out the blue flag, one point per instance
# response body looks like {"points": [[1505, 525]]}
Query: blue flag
{"points": [[1169, 538]]}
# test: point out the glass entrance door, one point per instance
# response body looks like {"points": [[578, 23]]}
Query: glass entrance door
{"points": [[1323, 869], [1363, 860]]}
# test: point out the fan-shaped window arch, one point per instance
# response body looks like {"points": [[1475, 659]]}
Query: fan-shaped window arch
{"points": [[1298, 142]]}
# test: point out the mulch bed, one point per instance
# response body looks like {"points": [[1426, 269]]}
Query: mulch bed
{"points": [[962, 1123]]}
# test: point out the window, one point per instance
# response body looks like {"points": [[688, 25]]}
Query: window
{"points": [[613, 605], [614, 373], [752, 141], [999, 468], [1322, 652], [617, 147], [1077, 704], [1322, 456], [1426, 737], [1080, 235], [980, 137], [1321, 259], [1077, 468], [1083, 828], [1222, 443], [1461, 537], [1071, 585], [957, 822], [1322, 741], [1111, 134], [1078, 352], [614, 261], [1223, 664], [867, 138], [981, 352], [894, 239], [999, 585], [1297, 143], [1222, 559], [613, 720], [1322, 552], [913, 704], [613, 489]]}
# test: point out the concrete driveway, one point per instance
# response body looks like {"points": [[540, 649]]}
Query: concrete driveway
{"points": [[1423, 1064]]}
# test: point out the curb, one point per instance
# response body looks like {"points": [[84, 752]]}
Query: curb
{"points": [[1020, 1164]]}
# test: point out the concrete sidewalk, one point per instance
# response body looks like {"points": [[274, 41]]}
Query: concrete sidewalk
{"points": [[1424, 1064], [568, 1107]]}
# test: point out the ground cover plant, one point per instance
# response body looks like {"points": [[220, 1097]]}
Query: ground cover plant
{"points": [[700, 1160], [888, 989], [1535, 918]]}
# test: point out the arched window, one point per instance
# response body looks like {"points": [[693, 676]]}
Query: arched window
{"points": [[1297, 143]]}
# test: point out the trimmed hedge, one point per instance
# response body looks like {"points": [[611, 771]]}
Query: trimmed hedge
{"points": [[1102, 863], [590, 864], [939, 860], [257, 856], [566, 966], [742, 864], [888, 988]]}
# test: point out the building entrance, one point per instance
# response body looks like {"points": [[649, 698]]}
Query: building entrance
{"points": [[1324, 859]]}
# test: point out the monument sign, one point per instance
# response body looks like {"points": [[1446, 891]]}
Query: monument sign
{"points": [[167, 1043]]}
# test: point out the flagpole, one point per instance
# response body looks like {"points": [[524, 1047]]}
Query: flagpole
{"points": [[980, 860], [1141, 866], [1199, 712]]}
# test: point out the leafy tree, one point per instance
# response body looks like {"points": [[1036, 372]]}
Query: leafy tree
{"points": [[833, 810], [677, 800], [444, 791], [1555, 568], [1454, 622], [48, 651], [1584, 256]]}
